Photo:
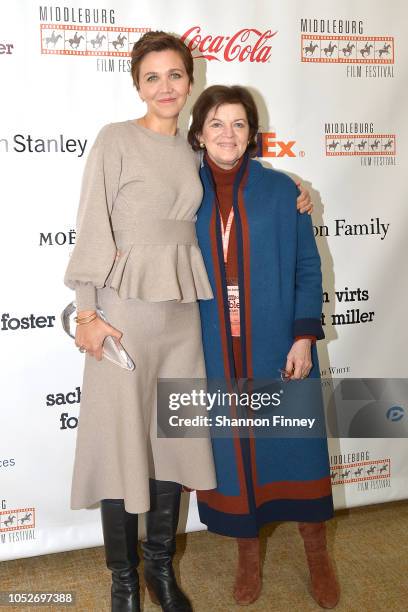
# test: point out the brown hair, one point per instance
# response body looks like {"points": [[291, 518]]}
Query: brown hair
{"points": [[215, 96], [159, 41]]}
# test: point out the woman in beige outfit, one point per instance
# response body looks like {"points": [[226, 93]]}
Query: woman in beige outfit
{"points": [[137, 257]]}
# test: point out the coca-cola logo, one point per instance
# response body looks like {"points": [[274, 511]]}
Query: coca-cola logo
{"points": [[247, 44]]}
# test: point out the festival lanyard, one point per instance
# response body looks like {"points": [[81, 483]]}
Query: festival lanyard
{"points": [[232, 289], [226, 232]]}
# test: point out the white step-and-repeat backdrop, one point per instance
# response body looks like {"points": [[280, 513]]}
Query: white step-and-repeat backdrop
{"points": [[330, 79]]}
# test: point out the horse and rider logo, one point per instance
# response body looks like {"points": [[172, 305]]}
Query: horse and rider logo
{"points": [[357, 472], [366, 144], [347, 49], [84, 40], [14, 520]]}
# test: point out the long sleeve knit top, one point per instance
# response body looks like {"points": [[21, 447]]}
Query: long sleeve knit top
{"points": [[136, 230]]}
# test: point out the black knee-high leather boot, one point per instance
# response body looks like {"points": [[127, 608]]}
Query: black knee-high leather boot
{"points": [[160, 546], [120, 538]]}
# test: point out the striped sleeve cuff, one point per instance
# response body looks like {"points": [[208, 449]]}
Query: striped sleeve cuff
{"points": [[308, 327]]}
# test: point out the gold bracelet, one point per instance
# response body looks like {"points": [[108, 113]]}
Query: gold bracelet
{"points": [[77, 319], [83, 322]]}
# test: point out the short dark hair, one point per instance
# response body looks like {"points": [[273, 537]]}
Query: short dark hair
{"points": [[159, 41], [216, 96]]}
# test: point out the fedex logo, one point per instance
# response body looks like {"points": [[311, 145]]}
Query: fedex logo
{"points": [[270, 146]]}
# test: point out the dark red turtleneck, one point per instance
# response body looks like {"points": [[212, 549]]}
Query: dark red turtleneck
{"points": [[224, 185]]}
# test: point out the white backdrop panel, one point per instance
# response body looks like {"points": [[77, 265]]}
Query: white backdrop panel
{"points": [[360, 212]]}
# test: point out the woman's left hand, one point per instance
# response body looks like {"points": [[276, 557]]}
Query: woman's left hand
{"points": [[299, 359], [304, 202]]}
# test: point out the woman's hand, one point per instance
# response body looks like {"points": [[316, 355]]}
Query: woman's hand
{"points": [[304, 202], [90, 336], [299, 359]]}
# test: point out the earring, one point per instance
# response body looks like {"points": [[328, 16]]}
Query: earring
{"points": [[202, 145]]}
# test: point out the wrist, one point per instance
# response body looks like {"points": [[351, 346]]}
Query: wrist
{"points": [[312, 339], [84, 319], [85, 313]]}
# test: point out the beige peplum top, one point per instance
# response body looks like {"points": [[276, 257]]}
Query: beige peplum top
{"points": [[137, 234]]}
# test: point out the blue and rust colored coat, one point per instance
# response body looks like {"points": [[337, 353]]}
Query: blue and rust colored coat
{"points": [[262, 479]]}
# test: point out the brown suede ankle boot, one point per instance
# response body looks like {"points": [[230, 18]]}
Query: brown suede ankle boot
{"points": [[325, 588], [248, 583]]}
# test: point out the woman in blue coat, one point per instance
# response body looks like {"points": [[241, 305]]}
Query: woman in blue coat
{"points": [[264, 268]]}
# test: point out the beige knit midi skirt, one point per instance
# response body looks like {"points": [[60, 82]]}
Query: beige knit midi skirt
{"points": [[117, 448]]}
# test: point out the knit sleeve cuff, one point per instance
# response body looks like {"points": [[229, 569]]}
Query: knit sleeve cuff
{"points": [[85, 294]]}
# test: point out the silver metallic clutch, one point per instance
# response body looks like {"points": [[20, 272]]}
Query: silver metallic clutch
{"points": [[112, 348]]}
